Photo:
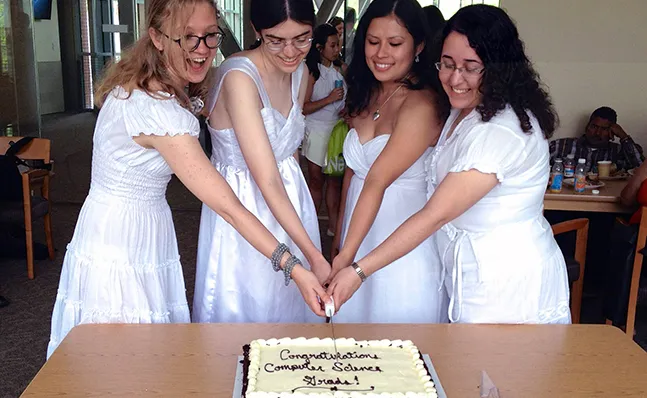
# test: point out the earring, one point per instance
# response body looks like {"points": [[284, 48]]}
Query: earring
{"points": [[417, 58]]}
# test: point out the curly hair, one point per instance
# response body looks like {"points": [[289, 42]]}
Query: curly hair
{"points": [[362, 84], [509, 77]]}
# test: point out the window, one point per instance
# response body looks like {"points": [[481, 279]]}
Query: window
{"points": [[231, 11], [449, 7]]}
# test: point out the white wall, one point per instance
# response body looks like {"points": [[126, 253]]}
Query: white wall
{"points": [[590, 53], [46, 39], [48, 58]]}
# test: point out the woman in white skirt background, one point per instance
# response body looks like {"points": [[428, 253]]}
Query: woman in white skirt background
{"points": [[324, 100]]}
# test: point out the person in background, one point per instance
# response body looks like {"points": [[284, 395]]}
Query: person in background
{"points": [[338, 24], [597, 143], [349, 23], [324, 101], [487, 179], [635, 192], [395, 107], [435, 19], [123, 264], [256, 125]]}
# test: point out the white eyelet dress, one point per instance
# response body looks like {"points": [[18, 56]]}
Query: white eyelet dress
{"points": [[234, 282], [501, 261], [123, 264]]}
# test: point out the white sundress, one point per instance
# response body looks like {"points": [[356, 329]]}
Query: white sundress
{"points": [[501, 261], [409, 290], [234, 282], [123, 265]]}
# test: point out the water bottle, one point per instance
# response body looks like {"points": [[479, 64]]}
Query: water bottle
{"points": [[9, 130], [569, 166], [580, 176], [557, 176]]}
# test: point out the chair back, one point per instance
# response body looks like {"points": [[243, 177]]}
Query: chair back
{"points": [[37, 149]]}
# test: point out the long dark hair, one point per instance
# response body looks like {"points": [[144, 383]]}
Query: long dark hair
{"points": [[362, 85], [266, 14], [319, 40], [508, 77]]}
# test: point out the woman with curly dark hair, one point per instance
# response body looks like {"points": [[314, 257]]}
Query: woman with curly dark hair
{"points": [[487, 179]]}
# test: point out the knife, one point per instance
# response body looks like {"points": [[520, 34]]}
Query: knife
{"points": [[488, 389], [330, 311]]}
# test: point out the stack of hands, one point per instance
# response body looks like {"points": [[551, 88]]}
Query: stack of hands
{"points": [[324, 283]]}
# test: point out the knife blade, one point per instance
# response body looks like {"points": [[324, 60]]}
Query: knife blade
{"points": [[330, 311]]}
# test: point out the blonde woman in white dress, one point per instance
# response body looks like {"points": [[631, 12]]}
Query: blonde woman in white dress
{"points": [[123, 265], [256, 125]]}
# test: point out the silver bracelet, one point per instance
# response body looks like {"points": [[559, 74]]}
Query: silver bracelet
{"points": [[289, 266], [359, 271], [278, 253]]}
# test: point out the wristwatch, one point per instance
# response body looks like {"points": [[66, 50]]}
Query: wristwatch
{"points": [[359, 271]]}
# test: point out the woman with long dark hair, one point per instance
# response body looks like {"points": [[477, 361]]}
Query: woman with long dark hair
{"points": [[397, 117], [256, 125], [487, 179], [324, 100]]}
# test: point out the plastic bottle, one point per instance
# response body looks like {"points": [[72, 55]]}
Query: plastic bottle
{"points": [[569, 166], [580, 176], [557, 176], [9, 130]]}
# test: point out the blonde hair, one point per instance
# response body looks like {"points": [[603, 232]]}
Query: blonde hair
{"points": [[143, 64]]}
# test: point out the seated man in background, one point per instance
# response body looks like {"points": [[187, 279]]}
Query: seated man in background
{"points": [[596, 143]]}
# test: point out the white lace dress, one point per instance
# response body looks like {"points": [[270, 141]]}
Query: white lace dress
{"points": [[409, 290], [501, 261], [123, 265], [235, 282]]}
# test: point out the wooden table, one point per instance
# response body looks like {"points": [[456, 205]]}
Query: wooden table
{"points": [[607, 201], [200, 359]]}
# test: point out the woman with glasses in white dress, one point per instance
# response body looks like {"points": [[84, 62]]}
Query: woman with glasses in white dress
{"points": [[256, 125]]}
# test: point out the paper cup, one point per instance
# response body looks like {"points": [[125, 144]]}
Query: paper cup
{"points": [[604, 168]]}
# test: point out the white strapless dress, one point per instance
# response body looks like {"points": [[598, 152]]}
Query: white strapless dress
{"points": [[409, 290]]}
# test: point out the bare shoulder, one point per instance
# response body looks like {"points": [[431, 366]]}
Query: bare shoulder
{"points": [[420, 103]]}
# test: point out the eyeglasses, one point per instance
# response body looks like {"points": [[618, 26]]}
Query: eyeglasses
{"points": [[464, 71], [277, 45], [192, 42]]}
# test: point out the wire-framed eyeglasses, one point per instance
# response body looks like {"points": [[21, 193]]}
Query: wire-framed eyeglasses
{"points": [[465, 71], [276, 45], [192, 42]]}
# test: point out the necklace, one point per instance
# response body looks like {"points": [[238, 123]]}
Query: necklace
{"points": [[376, 114]]}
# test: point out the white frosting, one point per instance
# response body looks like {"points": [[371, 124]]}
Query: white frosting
{"points": [[301, 367]]}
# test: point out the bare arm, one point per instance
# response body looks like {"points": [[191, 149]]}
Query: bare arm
{"points": [[348, 175], [630, 191], [189, 163], [444, 206], [415, 130], [242, 104]]}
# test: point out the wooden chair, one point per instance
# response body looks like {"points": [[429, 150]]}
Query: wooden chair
{"points": [[635, 274], [581, 225], [38, 149]]}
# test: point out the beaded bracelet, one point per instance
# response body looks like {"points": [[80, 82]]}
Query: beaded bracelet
{"points": [[289, 266], [277, 255]]}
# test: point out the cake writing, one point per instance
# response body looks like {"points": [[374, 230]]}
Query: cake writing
{"points": [[286, 355], [312, 382]]}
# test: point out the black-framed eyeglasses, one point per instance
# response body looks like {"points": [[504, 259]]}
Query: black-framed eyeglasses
{"points": [[192, 42]]}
